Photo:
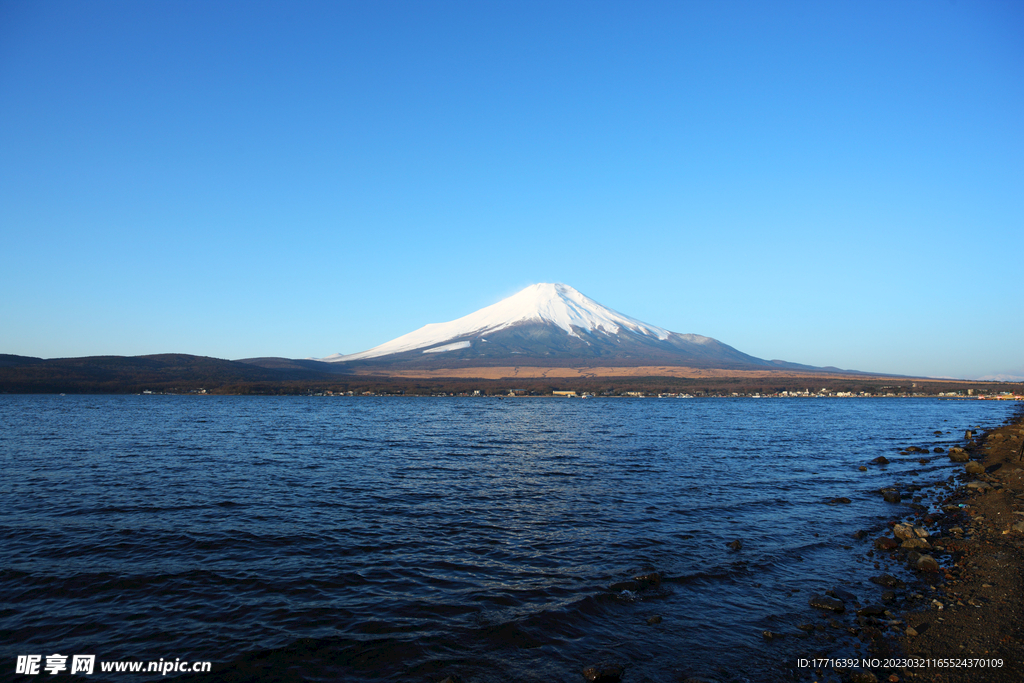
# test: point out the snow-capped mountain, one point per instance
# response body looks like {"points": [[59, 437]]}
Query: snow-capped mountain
{"points": [[550, 324], [556, 304]]}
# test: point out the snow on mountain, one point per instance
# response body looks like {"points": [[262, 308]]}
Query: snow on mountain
{"points": [[556, 304], [449, 347]]}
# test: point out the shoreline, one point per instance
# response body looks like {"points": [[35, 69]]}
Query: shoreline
{"points": [[962, 619]]}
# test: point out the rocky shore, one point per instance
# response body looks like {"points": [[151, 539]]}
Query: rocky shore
{"points": [[959, 616], [974, 605], [948, 603]]}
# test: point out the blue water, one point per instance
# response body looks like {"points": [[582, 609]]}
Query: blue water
{"points": [[407, 539]]}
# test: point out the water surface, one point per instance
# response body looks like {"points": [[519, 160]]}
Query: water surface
{"points": [[405, 539]]}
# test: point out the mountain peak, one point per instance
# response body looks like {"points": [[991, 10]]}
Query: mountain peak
{"points": [[552, 303], [568, 308]]}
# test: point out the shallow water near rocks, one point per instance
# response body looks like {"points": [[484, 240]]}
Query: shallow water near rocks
{"points": [[407, 539]]}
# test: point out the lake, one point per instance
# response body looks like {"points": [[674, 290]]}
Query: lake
{"points": [[408, 539]]}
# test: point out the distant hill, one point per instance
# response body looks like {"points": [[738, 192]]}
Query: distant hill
{"points": [[8, 360], [183, 374], [135, 374]]}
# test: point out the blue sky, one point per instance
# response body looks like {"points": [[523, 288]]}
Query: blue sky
{"points": [[825, 183]]}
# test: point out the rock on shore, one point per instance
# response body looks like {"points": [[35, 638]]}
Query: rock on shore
{"points": [[958, 455]]}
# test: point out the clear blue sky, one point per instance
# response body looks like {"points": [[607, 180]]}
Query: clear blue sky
{"points": [[822, 182]]}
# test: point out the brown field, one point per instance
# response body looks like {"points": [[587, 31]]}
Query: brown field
{"points": [[524, 372]]}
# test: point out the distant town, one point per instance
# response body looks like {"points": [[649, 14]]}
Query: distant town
{"points": [[885, 392]]}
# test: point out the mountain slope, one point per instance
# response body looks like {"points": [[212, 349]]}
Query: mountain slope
{"points": [[550, 325]]}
